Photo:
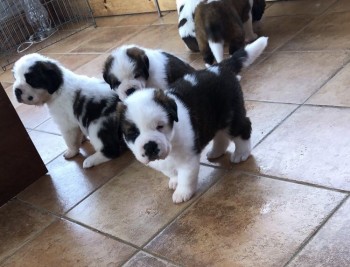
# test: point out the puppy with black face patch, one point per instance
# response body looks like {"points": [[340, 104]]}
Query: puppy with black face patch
{"points": [[167, 130], [79, 105], [131, 67]]}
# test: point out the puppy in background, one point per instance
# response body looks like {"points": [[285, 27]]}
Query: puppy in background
{"points": [[167, 130], [227, 21], [131, 67], [78, 104]]}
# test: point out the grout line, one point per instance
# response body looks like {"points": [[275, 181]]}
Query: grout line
{"points": [[293, 181], [316, 231], [41, 131], [195, 201]]}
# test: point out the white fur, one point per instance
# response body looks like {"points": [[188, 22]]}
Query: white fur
{"points": [[191, 78], [217, 49], [254, 50], [60, 105], [178, 160], [214, 69], [123, 69], [188, 10]]}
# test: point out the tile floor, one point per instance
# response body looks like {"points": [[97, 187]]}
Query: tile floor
{"points": [[288, 205]]}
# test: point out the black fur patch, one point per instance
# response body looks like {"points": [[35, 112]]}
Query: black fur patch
{"points": [[258, 9], [182, 22], [44, 75], [191, 43], [129, 129], [181, 7], [176, 68], [215, 103], [109, 77]]}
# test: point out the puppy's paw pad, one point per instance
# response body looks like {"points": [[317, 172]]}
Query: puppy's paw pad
{"points": [[214, 154], [239, 157], [70, 153], [182, 194], [88, 163], [173, 183]]}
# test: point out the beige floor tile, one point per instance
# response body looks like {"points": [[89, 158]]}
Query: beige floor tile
{"points": [[49, 126], [280, 29], [340, 6], [291, 77], [18, 224], [142, 259], [12, 97], [168, 18], [335, 92], [68, 44], [310, 7], [164, 37], [67, 182], [136, 204], [67, 244], [32, 116], [48, 145], [264, 117], [310, 146], [127, 20], [7, 76], [74, 61], [331, 245], [94, 67], [245, 221], [104, 39], [331, 31]]}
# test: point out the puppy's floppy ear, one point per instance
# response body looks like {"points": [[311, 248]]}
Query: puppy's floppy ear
{"points": [[167, 103], [108, 76], [141, 61], [45, 75], [121, 108]]}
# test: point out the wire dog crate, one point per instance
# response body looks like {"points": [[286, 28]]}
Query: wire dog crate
{"points": [[27, 26]]}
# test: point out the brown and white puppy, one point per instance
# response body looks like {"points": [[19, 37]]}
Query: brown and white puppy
{"points": [[167, 130], [79, 105], [131, 67], [223, 21]]}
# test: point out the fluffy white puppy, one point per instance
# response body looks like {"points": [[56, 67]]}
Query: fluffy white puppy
{"points": [[131, 67], [167, 130], [79, 105]]}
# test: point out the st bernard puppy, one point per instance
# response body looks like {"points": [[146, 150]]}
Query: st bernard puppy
{"points": [[167, 130], [80, 106], [205, 25], [131, 67]]}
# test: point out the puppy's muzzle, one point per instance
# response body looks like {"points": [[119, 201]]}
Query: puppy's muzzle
{"points": [[130, 91], [151, 150]]}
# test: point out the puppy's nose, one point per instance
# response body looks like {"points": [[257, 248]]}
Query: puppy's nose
{"points": [[151, 150], [130, 91]]}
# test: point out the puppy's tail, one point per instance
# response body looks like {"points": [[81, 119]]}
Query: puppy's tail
{"points": [[243, 57]]}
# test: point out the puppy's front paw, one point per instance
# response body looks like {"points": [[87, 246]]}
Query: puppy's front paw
{"points": [[70, 153], [88, 162], [173, 183], [214, 154], [182, 194], [237, 157]]}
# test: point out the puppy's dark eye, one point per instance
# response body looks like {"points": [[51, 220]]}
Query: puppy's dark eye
{"points": [[160, 127], [131, 134], [30, 98], [137, 75]]}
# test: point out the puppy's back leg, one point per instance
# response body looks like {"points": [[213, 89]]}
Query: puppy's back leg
{"points": [[204, 48], [240, 133], [248, 26], [221, 141], [217, 48]]}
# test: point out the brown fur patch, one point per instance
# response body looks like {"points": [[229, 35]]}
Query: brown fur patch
{"points": [[168, 104], [141, 62]]}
